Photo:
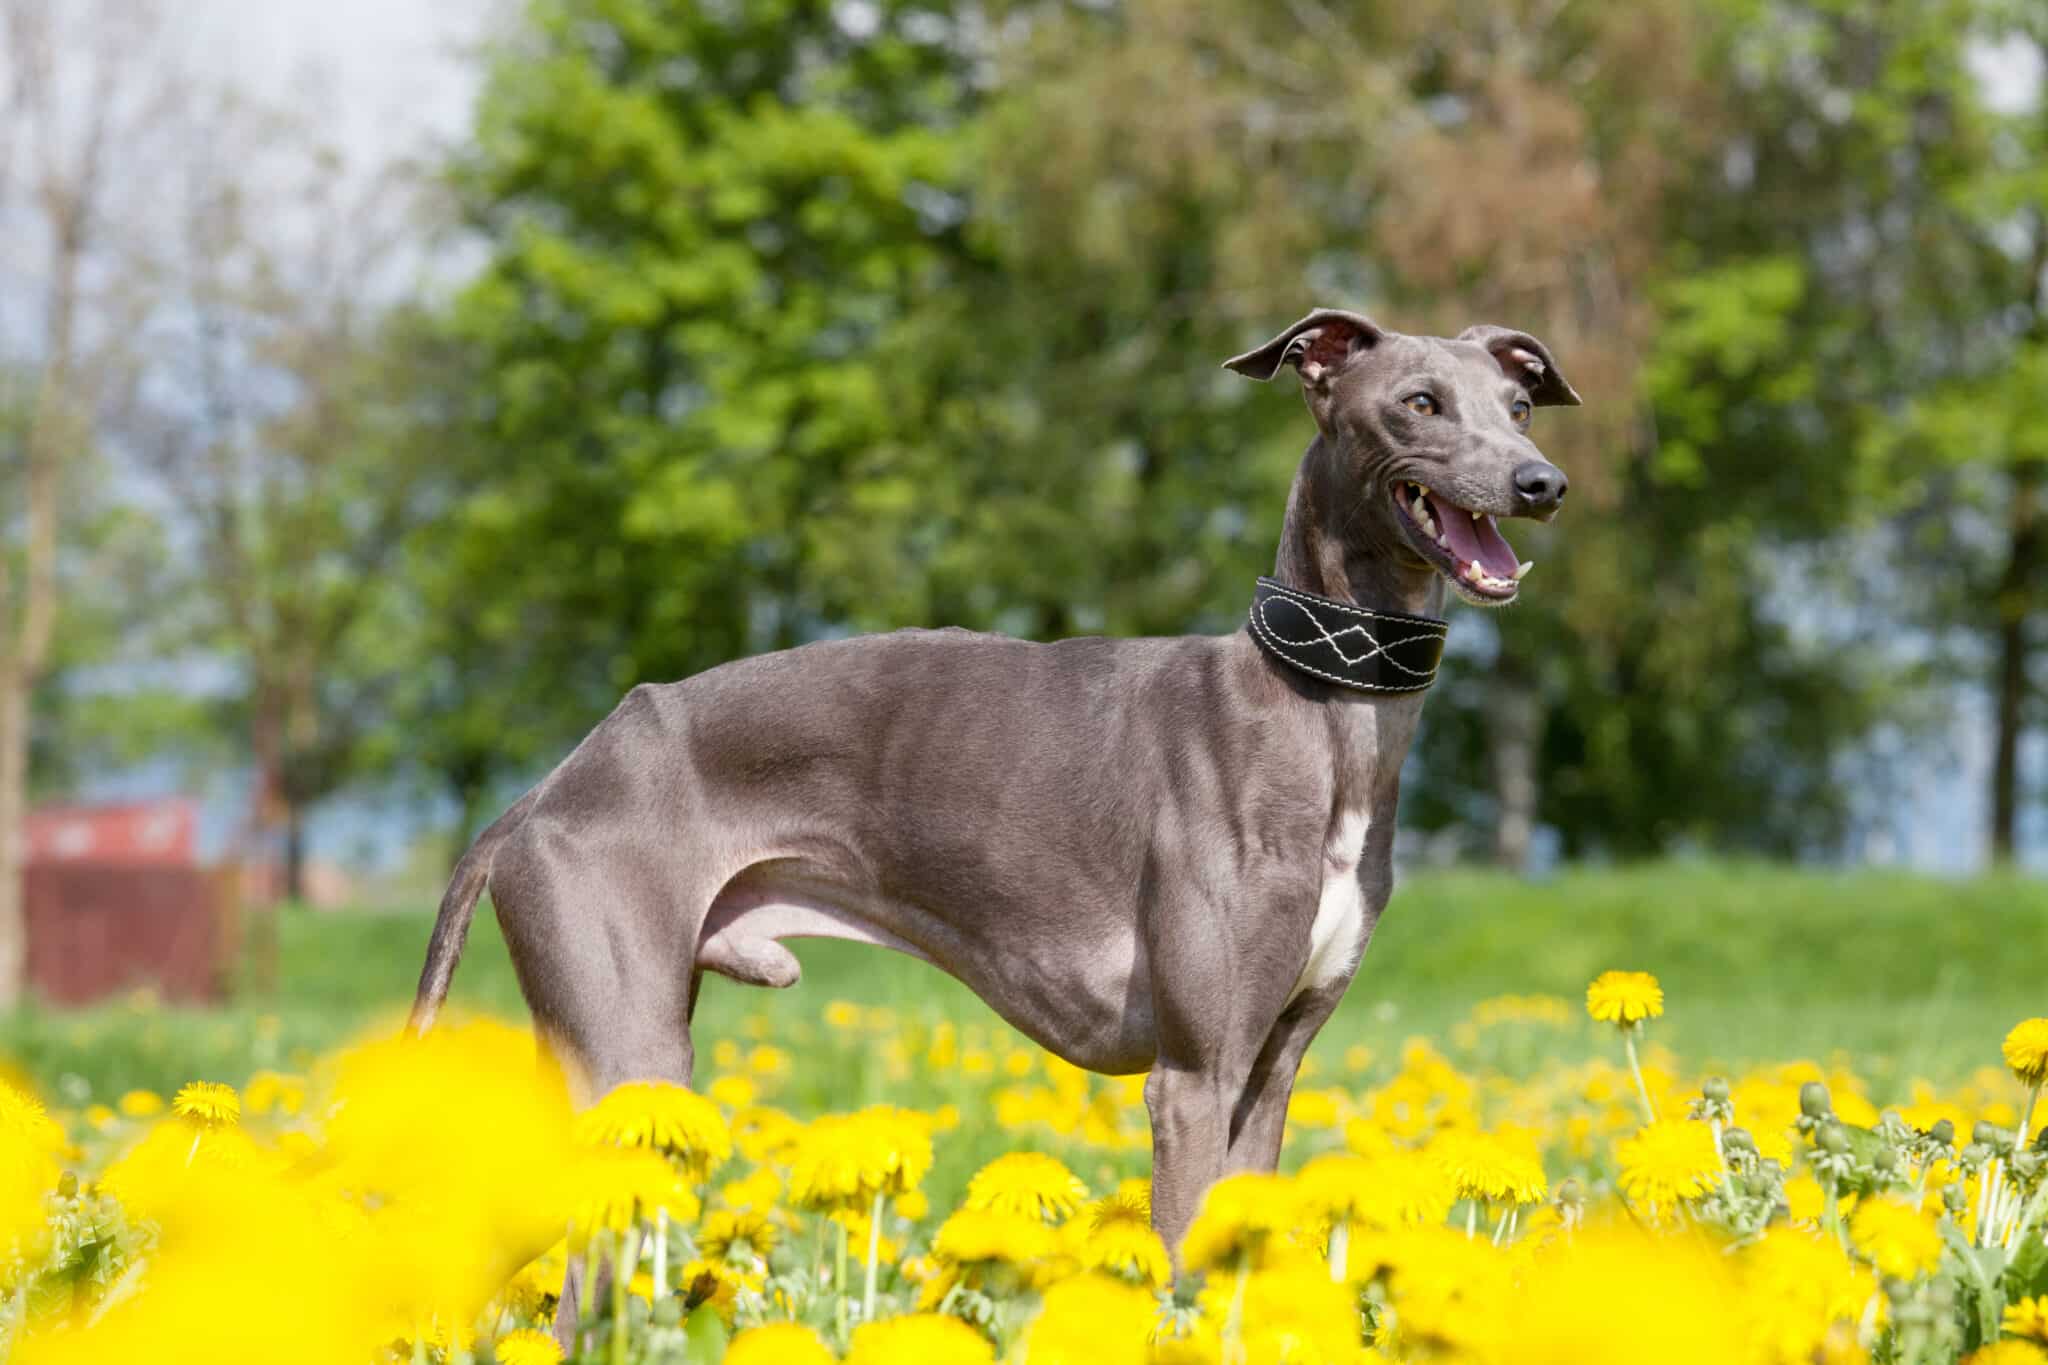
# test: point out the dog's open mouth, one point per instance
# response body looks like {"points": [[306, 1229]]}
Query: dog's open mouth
{"points": [[1465, 546]]}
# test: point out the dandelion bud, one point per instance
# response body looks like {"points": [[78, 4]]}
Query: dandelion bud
{"points": [[1758, 1183], [669, 1312], [1715, 1089], [1896, 1289], [1832, 1138], [1884, 1159], [1568, 1192], [1813, 1100], [1953, 1199], [67, 1184], [1985, 1133], [1738, 1140], [2027, 1163], [1943, 1132]]}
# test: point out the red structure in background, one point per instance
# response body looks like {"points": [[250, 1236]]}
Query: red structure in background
{"points": [[115, 899]]}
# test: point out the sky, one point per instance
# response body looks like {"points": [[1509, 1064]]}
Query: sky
{"points": [[395, 66]]}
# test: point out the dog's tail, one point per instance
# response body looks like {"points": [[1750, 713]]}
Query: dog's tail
{"points": [[458, 907]]}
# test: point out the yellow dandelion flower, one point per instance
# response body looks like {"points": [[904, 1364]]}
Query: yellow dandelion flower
{"points": [[720, 1284], [526, 1347], [208, 1104], [1316, 1108], [1291, 1313], [734, 1092], [1393, 1189], [1119, 1239], [1495, 1167], [2028, 1318], [1092, 1320], [725, 1232], [140, 1104], [971, 1235], [914, 1206], [1799, 1290], [1624, 998], [762, 1134], [919, 1339], [1238, 1215], [1894, 1238], [1029, 1183], [760, 1189], [669, 1119], [1806, 1202], [620, 1185], [844, 1160], [1665, 1162], [2026, 1051], [23, 1117], [2011, 1352], [778, 1343], [270, 1090]]}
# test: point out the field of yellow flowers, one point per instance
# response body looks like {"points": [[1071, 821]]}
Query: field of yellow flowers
{"points": [[422, 1200]]}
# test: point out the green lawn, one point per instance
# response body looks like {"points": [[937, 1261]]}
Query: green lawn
{"points": [[1907, 975]]}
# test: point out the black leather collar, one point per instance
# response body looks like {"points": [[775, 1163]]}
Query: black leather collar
{"points": [[1373, 651]]}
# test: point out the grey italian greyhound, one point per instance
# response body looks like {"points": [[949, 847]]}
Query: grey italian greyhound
{"points": [[1156, 855]]}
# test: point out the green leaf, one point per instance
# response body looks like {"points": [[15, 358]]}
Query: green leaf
{"points": [[705, 1332]]}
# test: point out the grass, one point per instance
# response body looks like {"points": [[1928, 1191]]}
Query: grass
{"points": [[1906, 975]]}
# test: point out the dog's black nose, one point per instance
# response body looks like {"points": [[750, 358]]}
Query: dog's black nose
{"points": [[1540, 483]]}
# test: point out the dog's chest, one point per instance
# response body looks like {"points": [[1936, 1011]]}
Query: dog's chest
{"points": [[1335, 936]]}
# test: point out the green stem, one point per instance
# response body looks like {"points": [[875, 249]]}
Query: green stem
{"points": [[1831, 1216], [660, 1265], [839, 1285], [867, 1296], [622, 1283], [586, 1307], [1628, 1043], [1340, 1250], [1233, 1327]]}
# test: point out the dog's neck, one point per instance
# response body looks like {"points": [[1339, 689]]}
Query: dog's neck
{"points": [[1323, 551]]}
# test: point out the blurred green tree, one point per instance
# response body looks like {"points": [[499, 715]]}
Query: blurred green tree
{"points": [[709, 232]]}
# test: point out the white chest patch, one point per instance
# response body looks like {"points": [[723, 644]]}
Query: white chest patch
{"points": [[1340, 913]]}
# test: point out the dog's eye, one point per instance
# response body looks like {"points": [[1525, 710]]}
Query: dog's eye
{"points": [[1519, 409], [1422, 403]]}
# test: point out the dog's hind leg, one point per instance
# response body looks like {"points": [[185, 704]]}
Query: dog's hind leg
{"points": [[604, 947]]}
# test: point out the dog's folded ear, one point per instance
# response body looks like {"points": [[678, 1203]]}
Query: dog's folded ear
{"points": [[1527, 361], [1318, 346]]}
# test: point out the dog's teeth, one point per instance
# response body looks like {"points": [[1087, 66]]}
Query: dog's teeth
{"points": [[1443, 540], [1472, 572], [1422, 490], [1478, 516], [1523, 568]]}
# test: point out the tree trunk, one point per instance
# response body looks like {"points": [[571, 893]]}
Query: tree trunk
{"points": [[2015, 587], [27, 623], [14, 693], [295, 854], [1514, 730]]}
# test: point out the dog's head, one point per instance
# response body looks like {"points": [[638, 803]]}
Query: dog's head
{"points": [[1432, 434]]}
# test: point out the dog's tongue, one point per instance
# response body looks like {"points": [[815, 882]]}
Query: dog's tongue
{"points": [[1476, 541]]}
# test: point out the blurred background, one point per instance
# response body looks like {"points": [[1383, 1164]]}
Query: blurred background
{"points": [[386, 388]]}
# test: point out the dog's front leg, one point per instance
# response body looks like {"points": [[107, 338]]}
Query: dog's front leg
{"points": [[1190, 1109]]}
